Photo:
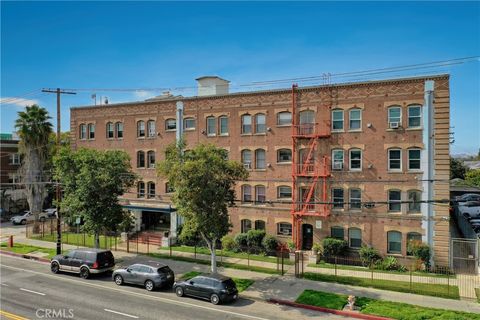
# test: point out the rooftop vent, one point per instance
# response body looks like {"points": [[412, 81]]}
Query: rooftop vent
{"points": [[212, 85]]}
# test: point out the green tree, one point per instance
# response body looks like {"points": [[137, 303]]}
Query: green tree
{"points": [[204, 182], [92, 181], [34, 128], [457, 169], [473, 178]]}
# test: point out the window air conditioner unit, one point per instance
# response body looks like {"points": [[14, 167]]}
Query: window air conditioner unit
{"points": [[247, 165], [337, 165], [285, 232], [394, 125]]}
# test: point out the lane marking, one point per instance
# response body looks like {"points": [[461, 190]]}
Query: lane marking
{"points": [[4, 284], [143, 295], [121, 313], [31, 291], [11, 316]]}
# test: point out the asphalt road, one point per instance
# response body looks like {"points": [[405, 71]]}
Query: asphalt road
{"points": [[30, 290]]}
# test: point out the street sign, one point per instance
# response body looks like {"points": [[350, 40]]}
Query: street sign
{"points": [[78, 220]]}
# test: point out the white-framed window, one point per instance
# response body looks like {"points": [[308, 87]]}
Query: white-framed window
{"points": [[83, 131], [355, 159], [260, 123], [140, 159], [355, 238], [189, 123], [338, 198], [414, 116], [355, 119], [15, 158], [170, 124], [119, 129], [337, 120], [284, 118], [91, 131], [260, 162], [141, 128], [337, 159], [260, 196], [414, 237], [337, 232], [284, 229], [394, 116], [246, 156], [110, 130], [223, 121], [355, 199], [414, 159], [245, 225], [246, 124], [394, 242], [394, 200], [284, 155], [259, 225], [151, 159], [151, 190], [151, 128], [414, 198], [394, 159], [284, 192], [246, 193], [140, 189], [211, 126]]}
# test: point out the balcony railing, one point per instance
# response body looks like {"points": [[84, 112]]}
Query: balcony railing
{"points": [[312, 129]]}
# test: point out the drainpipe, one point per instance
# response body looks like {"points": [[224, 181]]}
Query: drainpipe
{"points": [[174, 219], [179, 134], [428, 165]]}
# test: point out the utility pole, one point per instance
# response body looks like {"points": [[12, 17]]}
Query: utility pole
{"points": [[58, 91]]}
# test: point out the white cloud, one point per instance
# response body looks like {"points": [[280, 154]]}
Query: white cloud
{"points": [[19, 102]]}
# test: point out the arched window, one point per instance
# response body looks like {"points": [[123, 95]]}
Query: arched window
{"points": [[337, 159], [141, 129], [246, 124], [91, 131], [119, 129], [211, 126], [260, 194], [151, 190], [413, 238], [151, 159], [110, 130], [354, 238], [394, 117], [246, 193], [307, 122], [246, 225], [259, 225], [414, 116], [260, 159], [223, 123], [394, 200], [415, 197], [140, 189], [247, 158], [260, 123], [284, 155], [151, 128], [189, 123], [284, 118], [83, 131], [337, 120], [355, 120], [170, 124], [394, 242], [140, 159], [284, 192], [284, 229]]}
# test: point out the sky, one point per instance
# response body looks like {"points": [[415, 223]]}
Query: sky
{"points": [[94, 45]]}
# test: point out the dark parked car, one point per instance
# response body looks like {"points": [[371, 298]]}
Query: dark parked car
{"points": [[149, 274], [84, 262], [216, 288]]}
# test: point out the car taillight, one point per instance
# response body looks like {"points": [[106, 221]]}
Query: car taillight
{"points": [[95, 265]]}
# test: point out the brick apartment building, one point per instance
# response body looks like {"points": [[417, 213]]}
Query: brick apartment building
{"points": [[331, 160]]}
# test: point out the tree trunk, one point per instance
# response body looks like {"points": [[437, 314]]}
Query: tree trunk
{"points": [[33, 178], [213, 255], [97, 240]]}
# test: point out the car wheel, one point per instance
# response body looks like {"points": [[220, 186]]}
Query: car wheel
{"points": [[23, 222], [149, 285], [84, 273], [118, 280], [54, 267], [179, 291], [215, 299]]}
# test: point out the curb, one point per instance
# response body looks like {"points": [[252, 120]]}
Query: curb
{"points": [[25, 256], [349, 314]]}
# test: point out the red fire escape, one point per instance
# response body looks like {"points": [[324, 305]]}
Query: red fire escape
{"points": [[310, 170]]}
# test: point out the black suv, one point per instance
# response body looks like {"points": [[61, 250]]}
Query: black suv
{"points": [[216, 288], [84, 262]]}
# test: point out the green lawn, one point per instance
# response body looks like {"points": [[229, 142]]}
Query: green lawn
{"points": [[26, 249], [477, 291], [437, 290], [242, 284], [79, 239], [394, 310], [230, 254]]}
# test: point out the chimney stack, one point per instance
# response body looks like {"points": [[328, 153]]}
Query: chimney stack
{"points": [[212, 85]]}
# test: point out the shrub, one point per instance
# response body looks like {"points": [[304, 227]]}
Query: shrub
{"points": [[334, 247], [270, 243], [421, 251], [369, 256], [241, 240], [291, 245], [390, 263], [255, 237], [317, 248], [228, 243]]}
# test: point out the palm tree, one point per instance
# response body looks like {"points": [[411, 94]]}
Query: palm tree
{"points": [[34, 128]]}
